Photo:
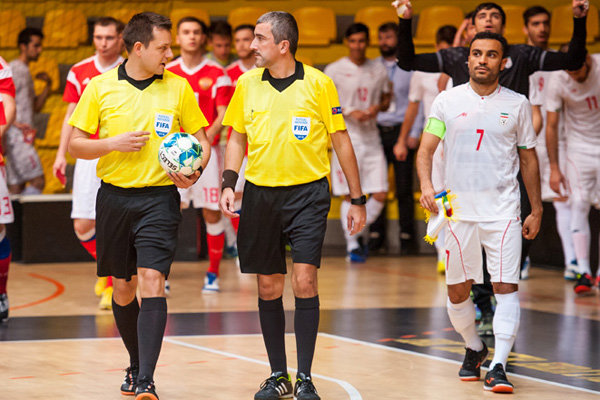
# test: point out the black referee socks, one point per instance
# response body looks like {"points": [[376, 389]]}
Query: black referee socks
{"points": [[272, 323], [306, 326], [126, 318], [151, 329]]}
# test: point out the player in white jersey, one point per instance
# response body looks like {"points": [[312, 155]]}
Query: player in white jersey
{"points": [[109, 45], [577, 94], [487, 133], [423, 89], [537, 28], [364, 89]]}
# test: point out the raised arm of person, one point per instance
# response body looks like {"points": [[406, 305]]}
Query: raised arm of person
{"points": [[357, 215], [530, 171], [407, 59], [575, 57], [234, 156], [60, 162]]}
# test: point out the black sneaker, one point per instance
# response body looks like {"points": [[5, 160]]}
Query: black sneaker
{"points": [[471, 366], [496, 381], [3, 307], [145, 390], [277, 386], [128, 385], [304, 389], [584, 283]]}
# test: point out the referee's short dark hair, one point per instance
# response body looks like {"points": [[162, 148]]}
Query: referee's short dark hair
{"points": [[107, 21], [141, 26], [283, 27], [357, 27], [489, 6], [493, 36], [202, 24], [532, 12], [26, 34]]}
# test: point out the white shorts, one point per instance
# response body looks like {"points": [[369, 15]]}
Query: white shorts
{"points": [[85, 188], [372, 167], [206, 191], [501, 241], [7, 216], [583, 174], [547, 193], [239, 186], [23, 163]]}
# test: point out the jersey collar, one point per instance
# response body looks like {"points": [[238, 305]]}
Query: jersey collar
{"points": [[282, 84], [489, 96], [108, 68], [141, 85]]}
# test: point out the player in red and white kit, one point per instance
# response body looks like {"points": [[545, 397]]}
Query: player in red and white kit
{"points": [[577, 94], [364, 89], [109, 45], [243, 36], [213, 89], [7, 117]]}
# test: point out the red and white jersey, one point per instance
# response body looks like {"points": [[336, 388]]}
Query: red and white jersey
{"points": [[2, 115], [80, 75], [580, 103], [359, 87], [424, 88], [538, 89], [211, 84], [6, 83], [235, 70], [481, 159]]}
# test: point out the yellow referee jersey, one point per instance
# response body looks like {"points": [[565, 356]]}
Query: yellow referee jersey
{"points": [[287, 123], [113, 103]]}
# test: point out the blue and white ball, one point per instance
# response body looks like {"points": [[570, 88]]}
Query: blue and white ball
{"points": [[180, 152]]}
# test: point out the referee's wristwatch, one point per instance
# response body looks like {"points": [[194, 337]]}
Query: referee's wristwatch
{"points": [[359, 201]]}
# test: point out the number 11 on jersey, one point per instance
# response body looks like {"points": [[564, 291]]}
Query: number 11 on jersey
{"points": [[480, 133]]}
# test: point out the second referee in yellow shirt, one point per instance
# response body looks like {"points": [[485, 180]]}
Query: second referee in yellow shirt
{"points": [[137, 205], [287, 112]]}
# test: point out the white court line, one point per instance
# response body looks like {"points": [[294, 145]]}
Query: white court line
{"points": [[351, 390], [383, 347]]}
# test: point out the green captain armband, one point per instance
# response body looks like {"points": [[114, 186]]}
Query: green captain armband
{"points": [[436, 127]]}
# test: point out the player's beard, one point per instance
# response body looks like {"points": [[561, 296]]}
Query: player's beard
{"points": [[485, 80], [387, 51]]}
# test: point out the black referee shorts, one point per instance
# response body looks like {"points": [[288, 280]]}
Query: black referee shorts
{"points": [[136, 228], [273, 216]]}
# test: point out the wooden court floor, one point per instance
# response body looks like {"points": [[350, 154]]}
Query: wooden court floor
{"points": [[384, 334]]}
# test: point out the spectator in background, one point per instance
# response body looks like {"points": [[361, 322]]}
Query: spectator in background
{"points": [[389, 123], [220, 38], [423, 89], [24, 165]]}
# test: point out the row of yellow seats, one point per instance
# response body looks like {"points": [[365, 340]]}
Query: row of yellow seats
{"points": [[317, 25]]}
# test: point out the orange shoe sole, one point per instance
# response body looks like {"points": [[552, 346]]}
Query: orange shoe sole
{"points": [[470, 379], [146, 396]]}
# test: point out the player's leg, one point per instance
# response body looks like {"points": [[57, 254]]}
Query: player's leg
{"points": [[502, 243], [306, 223], [261, 247], [562, 207], [463, 267], [28, 167], [403, 173], [215, 239], [373, 169], [6, 217], [126, 309]]}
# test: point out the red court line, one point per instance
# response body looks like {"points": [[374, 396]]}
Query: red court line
{"points": [[59, 290], [23, 377]]}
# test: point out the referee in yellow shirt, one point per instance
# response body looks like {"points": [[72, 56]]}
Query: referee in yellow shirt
{"points": [[287, 112], [134, 106]]}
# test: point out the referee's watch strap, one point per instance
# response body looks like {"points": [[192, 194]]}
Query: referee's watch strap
{"points": [[359, 201]]}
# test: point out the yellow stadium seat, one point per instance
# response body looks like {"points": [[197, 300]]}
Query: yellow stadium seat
{"points": [[245, 15], [11, 23], [513, 31], [562, 26], [53, 128], [179, 13], [374, 17], [317, 25], [47, 156], [49, 66], [432, 18], [65, 28], [123, 14]]}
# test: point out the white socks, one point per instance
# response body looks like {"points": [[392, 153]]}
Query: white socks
{"points": [[563, 226], [581, 234], [506, 325], [215, 229], [374, 208], [462, 316]]}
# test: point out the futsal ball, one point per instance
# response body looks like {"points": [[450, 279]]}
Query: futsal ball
{"points": [[180, 152]]}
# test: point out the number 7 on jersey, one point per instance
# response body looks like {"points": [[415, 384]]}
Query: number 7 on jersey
{"points": [[480, 133]]}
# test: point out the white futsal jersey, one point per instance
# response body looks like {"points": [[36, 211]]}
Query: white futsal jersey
{"points": [[359, 87], [580, 103], [481, 160]]}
